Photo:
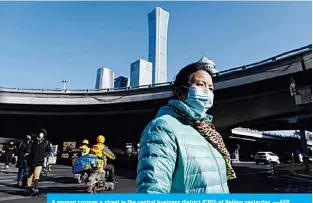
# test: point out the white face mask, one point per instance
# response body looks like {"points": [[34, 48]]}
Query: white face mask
{"points": [[41, 135], [200, 98]]}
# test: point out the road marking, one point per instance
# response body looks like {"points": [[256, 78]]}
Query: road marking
{"points": [[9, 180], [50, 174], [14, 197], [298, 178], [253, 173], [8, 176]]}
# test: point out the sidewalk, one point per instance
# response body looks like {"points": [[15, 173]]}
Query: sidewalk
{"points": [[243, 162]]}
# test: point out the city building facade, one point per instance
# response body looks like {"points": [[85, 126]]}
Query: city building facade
{"points": [[120, 82], [140, 73], [105, 78], [158, 29]]}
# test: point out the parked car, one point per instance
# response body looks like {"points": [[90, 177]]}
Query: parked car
{"points": [[266, 158]]}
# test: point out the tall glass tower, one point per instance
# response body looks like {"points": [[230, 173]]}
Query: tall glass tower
{"points": [[140, 73], [158, 26], [105, 78]]}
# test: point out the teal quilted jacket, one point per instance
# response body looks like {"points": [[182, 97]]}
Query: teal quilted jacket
{"points": [[175, 158]]}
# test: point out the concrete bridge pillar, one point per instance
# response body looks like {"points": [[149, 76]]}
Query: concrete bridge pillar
{"points": [[304, 145], [231, 146]]}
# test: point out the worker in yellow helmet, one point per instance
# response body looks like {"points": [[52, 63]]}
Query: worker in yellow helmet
{"points": [[85, 148], [103, 152]]}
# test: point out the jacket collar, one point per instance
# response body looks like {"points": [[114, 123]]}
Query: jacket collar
{"points": [[189, 111]]}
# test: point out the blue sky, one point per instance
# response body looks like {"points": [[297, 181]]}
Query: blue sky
{"points": [[44, 42]]}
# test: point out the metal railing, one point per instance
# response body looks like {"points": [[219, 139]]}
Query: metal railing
{"points": [[270, 60], [57, 90], [271, 134], [229, 71]]}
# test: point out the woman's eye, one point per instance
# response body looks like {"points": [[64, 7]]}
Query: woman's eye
{"points": [[200, 84]]}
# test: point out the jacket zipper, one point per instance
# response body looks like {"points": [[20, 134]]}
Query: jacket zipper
{"points": [[218, 168]]}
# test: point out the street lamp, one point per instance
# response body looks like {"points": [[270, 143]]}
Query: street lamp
{"points": [[64, 84]]}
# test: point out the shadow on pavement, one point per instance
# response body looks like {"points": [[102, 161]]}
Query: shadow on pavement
{"points": [[7, 172], [15, 192], [44, 191], [264, 184], [126, 173], [63, 180], [62, 190]]}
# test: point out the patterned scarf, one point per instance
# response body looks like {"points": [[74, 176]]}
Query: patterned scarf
{"points": [[208, 131]]}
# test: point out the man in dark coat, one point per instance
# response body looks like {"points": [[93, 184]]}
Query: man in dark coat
{"points": [[22, 150], [39, 149], [9, 151]]}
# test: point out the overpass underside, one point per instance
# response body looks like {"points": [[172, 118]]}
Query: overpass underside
{"points": [[119, 123], [264, 103]]}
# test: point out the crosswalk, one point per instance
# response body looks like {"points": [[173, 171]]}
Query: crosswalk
{"points": [[60, 180], [54, 183]]}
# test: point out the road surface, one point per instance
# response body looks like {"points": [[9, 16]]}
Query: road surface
{"points": [[59, 181], [251, 179]]}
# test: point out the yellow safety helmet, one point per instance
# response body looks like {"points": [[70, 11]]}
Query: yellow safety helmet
{"points": [[101, 139], [85, 142]]}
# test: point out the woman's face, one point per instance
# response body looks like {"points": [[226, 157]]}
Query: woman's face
{"points": [[201, 79]]}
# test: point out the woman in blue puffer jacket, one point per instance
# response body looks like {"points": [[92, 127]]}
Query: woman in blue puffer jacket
{"points": [[180, 150]]}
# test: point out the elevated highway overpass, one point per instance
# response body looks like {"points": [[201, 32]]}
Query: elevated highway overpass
{"points": [[253, 141], [244, 96]]}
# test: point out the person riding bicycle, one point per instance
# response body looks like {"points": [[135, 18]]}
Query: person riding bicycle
{"points": [[85, 148], [102, 152]]}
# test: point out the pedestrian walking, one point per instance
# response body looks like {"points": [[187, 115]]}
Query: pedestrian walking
{"points": [[9, 151], [21, 164], [39, 149]]}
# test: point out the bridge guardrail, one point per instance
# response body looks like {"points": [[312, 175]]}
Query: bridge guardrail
{"points": [[244, 67], [291, 168], [30, 90], [269, 60]]}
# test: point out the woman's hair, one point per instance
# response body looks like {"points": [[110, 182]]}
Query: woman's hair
{"points": [[184, 78]]}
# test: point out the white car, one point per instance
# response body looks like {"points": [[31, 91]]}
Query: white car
{"points": [[266, 157]]}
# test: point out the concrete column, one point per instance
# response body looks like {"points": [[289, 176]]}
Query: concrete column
{"points": [[230, 144], [304, 146], [237, 155]]}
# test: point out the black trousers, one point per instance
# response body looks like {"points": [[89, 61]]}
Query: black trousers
{"points": [[8, 157], [109, 168]]}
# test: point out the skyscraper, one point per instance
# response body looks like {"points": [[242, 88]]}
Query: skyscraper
{"points": [[105, 78], [158, 26], [120, 82], [140, 73]]}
